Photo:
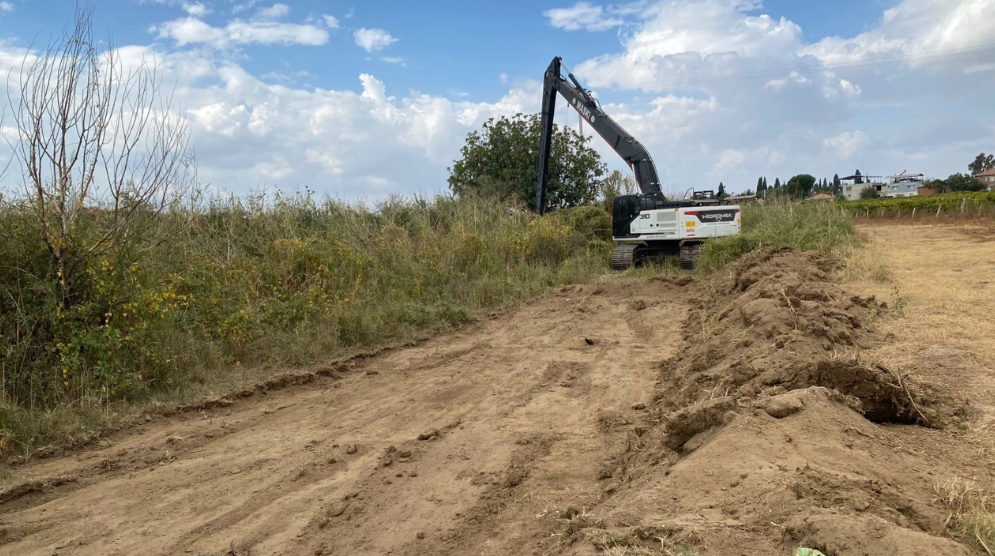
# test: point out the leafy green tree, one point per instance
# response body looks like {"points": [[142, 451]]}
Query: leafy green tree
{"points": [[777, 185], [503, 159], [721, 194], [760, 183], [800, 186], [765, 183], [869, 193], [962, 182], [981, 163], [859, 178], [614, 185]]}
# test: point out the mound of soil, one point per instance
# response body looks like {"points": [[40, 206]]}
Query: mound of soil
{"points": [[768, 432], [780, 323]]}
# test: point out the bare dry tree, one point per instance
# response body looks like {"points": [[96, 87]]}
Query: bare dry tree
{"points": [[96, 141]]}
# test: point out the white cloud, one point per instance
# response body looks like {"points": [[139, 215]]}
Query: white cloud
{"points": [[503, 78], [329, 163], [394, 60], [793, 77], [978, 68], [849, 88], [699, 40], [581, 15], [6, 7], [250, 132], [276, 11], [729, 160], [922, 31], [330, 21], [196, 9], [248, 5], [847, 144], [373, 40], [238, 32]]}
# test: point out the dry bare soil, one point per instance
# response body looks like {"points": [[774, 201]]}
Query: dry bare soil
{"points": [[766, 409]]}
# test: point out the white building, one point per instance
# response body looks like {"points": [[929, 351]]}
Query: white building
{"points": [[854, 185]]}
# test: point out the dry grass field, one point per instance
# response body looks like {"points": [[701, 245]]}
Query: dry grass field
{"points": [[939, 281]]}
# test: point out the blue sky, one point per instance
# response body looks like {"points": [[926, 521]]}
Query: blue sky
{"points": [[366, 99]]}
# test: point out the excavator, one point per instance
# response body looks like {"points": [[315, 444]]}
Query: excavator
{"points": [[645, 226]]}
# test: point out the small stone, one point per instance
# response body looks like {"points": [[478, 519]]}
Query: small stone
{"points": [[782, 406], [352, 449], [338, 509], [420, 535]]}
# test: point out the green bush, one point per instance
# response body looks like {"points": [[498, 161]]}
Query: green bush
{"points": [[592, 222]]}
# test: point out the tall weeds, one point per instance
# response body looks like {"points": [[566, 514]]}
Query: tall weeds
{"points": [[804, 226], [254, 282]]}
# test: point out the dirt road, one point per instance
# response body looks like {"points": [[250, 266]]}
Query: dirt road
{"points": [[473, 443]]}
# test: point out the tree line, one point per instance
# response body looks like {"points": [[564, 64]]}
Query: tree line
{"points": [[501, 160]]}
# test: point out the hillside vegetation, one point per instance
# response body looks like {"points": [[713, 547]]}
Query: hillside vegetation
{"points": [[243, 283]]}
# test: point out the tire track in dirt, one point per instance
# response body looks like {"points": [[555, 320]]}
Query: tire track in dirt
{"points": [[511, 413]]}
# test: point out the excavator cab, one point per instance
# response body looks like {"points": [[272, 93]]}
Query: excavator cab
{"points": [[627, 208]]}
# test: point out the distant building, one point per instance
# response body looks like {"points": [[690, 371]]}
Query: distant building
{"points": [[854, 185], [899, 185], [904, 184], [987, 178]]}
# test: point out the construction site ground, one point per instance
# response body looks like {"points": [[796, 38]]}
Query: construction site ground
{"points": [[794, 401]]}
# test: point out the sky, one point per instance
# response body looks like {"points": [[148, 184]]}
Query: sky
{"points": [[363, 100]]}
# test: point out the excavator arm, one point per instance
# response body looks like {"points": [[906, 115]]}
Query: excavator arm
{"points": [[621, 141]]}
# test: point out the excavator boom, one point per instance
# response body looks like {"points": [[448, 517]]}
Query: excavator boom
{"points": [[631, 150]]}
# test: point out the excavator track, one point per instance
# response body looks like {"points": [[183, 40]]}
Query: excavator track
{"points": [[624, 256], [689, 254]]}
